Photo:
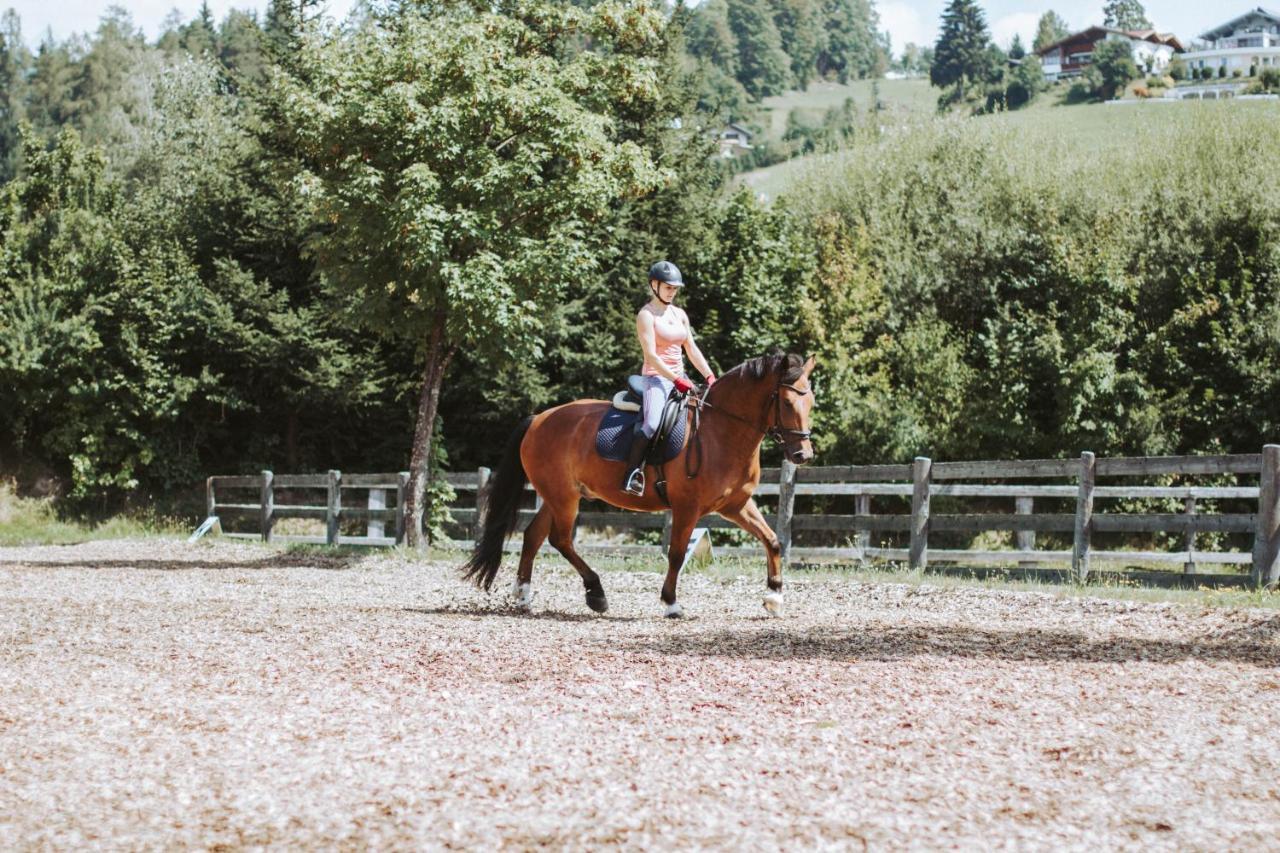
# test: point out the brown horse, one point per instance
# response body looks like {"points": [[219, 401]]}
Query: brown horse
{"points": [[556, 452]]}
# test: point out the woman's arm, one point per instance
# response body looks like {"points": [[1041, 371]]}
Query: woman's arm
{"points": [[695, 354], [649, 345]]}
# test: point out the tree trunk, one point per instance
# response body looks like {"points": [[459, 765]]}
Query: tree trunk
{"points": [[439, 352]]}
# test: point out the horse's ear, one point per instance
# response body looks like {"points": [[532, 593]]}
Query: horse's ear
{"points": [[809, 365]]}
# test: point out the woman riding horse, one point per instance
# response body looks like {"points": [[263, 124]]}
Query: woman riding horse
{"points": [[665, 335], [556, 452]]}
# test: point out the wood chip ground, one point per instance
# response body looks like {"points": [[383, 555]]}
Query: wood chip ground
{"points": [[160, 695]]}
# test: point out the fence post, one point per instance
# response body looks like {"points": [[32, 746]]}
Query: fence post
{"points": [[482, 500], [267, 505], [210, 503], [374, 527], [333, 508], [863, 537], [666, 533], [1084, 519], [402, 489], [1190, 566], [1266, 540], [1026, 538], [786, 507], [921, 477]]}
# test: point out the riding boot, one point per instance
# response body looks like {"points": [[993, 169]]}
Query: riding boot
{"points": [[634, 482]]}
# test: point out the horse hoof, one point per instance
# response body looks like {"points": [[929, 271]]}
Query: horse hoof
{"points": [[674, 611], [522, 593], [597, 602], [773, 604]]}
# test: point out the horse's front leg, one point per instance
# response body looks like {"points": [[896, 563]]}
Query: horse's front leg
{"points": [[750, 519], [682, 522]]}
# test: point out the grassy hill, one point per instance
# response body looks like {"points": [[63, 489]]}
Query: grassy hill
{"points": [[901, 99], [1081, 128]]}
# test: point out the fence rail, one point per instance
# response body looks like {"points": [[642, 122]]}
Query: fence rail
{"points": [[921, 482]]}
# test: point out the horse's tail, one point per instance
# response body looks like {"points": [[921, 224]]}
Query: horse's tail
{"points": [[502, 510]]}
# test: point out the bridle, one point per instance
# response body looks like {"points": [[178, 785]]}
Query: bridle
{"points": [[777, 432]]}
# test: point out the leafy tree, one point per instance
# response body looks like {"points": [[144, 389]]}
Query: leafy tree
{"points": [[710, 37], [763, 66], [961, 55], [803, 39], [1125, 15], [853, 47], [1114, 60], [15, 63], [455, 162], [1051, 28]]}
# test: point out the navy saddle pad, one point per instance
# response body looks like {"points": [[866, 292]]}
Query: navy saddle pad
{"points": [[617, 429]]}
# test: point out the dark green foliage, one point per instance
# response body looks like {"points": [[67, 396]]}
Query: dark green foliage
{"points": [[1113, 58], [962, 59], [763, 67]]}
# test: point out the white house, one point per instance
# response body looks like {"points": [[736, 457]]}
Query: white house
{"points": [[734, 140], [1069, 57], [1249, 41]]}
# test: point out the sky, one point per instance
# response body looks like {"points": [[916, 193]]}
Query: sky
{"points": [[906, 20]]}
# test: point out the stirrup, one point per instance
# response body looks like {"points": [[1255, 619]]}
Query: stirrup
{"points": [[635, 483]]}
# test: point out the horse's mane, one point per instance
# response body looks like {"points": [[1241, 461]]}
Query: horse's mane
{"points": [[789, 364]]}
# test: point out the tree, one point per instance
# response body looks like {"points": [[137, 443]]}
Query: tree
{"points": [[853, 47], [1016, 50], [1051, 28], [455, 163], [763, 66], [15, 64], [961, 57], [710, 37], [802, 36], [1125, 15], [1114, 60]]}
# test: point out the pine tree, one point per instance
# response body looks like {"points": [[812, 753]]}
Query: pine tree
{"points": [[1051, 28], [1016, 50], [961, 58], [1125, 15]]}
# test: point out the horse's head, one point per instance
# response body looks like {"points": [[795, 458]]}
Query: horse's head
{"points": [[793, 402]]}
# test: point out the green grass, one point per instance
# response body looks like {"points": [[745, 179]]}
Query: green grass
{"points": [[1080, 131], [32, 521], [902, 99]]}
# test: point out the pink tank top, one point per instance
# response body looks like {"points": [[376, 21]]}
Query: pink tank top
{"points": [[669, 336]]}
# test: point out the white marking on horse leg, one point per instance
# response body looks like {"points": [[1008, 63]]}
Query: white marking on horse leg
{"points": [[523, 594], [674, 611], [773, 603]]}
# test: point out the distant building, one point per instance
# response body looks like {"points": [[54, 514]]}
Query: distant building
{"points": [[734, 140], [1070, 56], [1249, 41]]}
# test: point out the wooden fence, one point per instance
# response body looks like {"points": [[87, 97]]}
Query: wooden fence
{"points": [[921, 482]]}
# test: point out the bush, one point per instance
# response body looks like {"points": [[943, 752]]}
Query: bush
{"points": [[974, 299], [1235, 72], [1270, 79], [1222, 71], [1177, 69]]}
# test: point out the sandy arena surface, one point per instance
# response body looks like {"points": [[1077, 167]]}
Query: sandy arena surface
{"points": [[155, 694]]}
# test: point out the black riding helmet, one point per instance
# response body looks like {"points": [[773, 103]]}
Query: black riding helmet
{"points": [[667, 273]]}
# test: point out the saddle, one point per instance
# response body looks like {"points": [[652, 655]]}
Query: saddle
{"points": [[621, 422]]}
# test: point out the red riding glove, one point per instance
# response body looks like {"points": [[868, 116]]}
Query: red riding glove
{"points": [[683, 385], [711, 379]]}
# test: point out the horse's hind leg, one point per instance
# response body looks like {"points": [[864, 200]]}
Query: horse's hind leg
{"points": [[534, 535], [564, 513]]}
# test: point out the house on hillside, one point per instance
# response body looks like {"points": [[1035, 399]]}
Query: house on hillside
{"points": [[1070, 56], [734, 140], [1247, 42]]}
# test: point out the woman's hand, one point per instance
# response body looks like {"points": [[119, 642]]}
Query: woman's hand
{"points": [[711, 379], [683, 385]]}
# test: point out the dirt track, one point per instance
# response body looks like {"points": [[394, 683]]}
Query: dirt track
{"points": [[158, 694]]}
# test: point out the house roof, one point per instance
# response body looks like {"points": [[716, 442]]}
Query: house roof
{"points": [[1224, 30], [1096, 33], [739, 128]]}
